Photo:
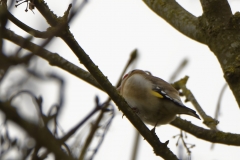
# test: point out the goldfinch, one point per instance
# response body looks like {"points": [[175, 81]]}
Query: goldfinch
{"points": [[154, 100]]}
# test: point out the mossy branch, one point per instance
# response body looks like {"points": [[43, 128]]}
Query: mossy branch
{"points": [[206, 134]]}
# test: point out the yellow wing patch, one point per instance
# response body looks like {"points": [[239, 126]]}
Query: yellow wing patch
{"points": [[156, 94]]}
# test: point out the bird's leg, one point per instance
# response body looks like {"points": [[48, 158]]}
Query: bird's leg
{"points": [[153, 130]]}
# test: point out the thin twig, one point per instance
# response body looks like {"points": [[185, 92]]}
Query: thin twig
{"points": [[208, 121], [74, 129], [219, 105], [219, 101], [182, 138], [136, 145], [132, 58], [94, 128], [178, 70], [54, 59], [41, 134], [104, 133], [76, 10]]}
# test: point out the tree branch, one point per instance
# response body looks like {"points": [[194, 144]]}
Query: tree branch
{"points": [[53, 58], [28, 29], [57, 60], [178, 17], [208, 121], [217, 28], [160, 149], [216, 12], [205, 134], [41, 134]]}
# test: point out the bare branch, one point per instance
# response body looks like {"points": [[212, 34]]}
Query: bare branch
{"points": [[53, 58], [41, 134], [179, 68], [208, 135], [160, 148], [178, 17], [216, 12], [208, 121], [74, 129]]}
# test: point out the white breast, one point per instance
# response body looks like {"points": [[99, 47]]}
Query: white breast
{"points": [[136, 92]]}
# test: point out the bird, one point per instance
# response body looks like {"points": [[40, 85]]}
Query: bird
{"points": [[154, 100]]}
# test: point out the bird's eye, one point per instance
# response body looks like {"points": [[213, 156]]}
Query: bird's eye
{"points": [[125, 76]]}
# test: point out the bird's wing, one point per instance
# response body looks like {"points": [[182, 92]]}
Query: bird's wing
{"points": [[160, 93], [167, 92]]}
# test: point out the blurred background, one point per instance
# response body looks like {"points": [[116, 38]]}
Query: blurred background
{"points": [[108, 31]]}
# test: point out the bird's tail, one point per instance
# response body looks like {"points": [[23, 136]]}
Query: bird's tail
{"points": [[192, 113]]}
